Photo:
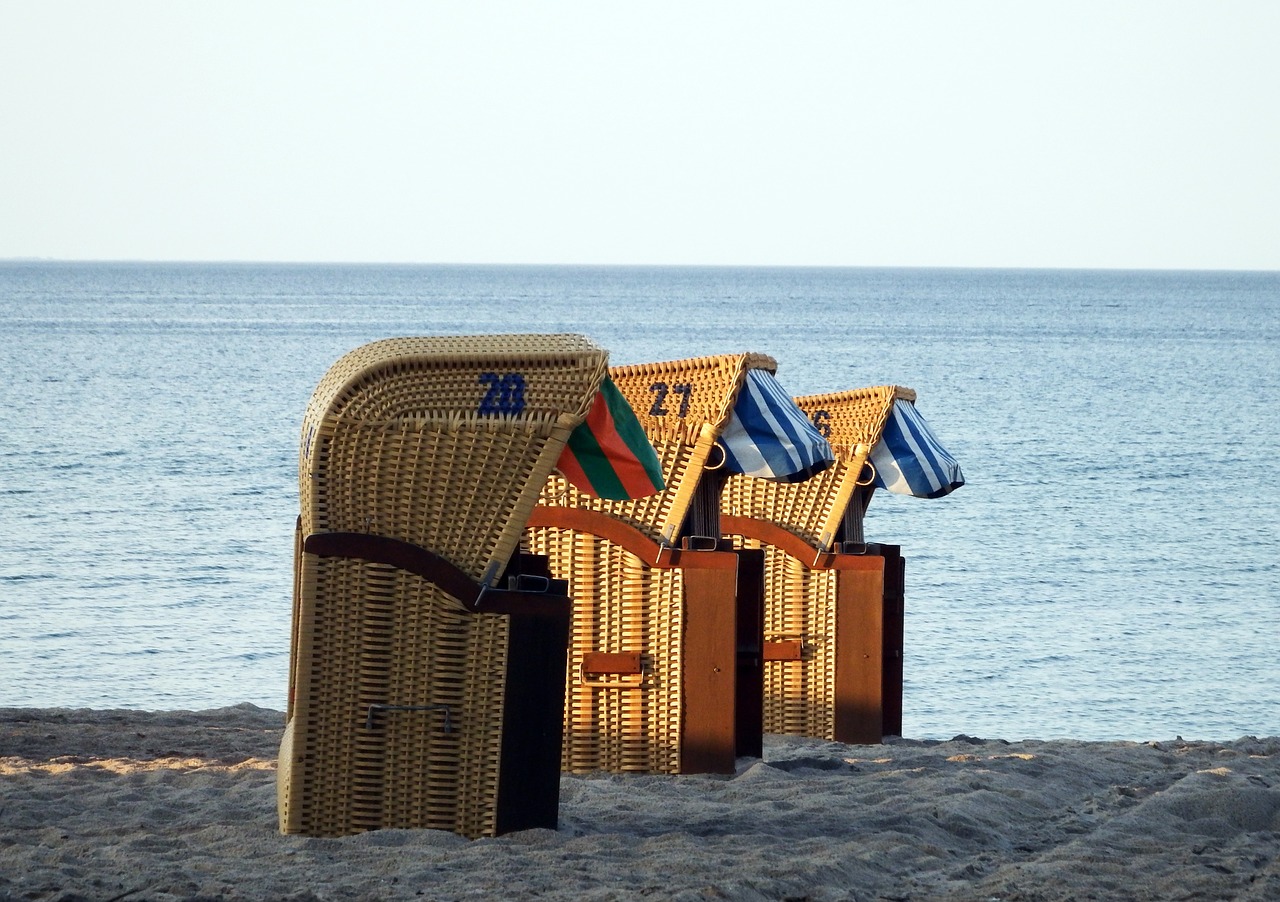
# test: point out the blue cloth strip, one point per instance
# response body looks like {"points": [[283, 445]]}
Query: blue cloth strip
{"points": [[767, 436], [909, 459]]}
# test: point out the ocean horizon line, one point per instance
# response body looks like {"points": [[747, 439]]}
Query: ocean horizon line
{"points": [[789, 267]]}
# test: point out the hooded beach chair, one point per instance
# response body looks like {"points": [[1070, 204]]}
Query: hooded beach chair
{"points": [[665, 668], [833, 637], [428, 657]]}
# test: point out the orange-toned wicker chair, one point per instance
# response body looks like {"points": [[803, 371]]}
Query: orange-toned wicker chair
{"points": [[833, 605], [665, 673], [425, 690]]}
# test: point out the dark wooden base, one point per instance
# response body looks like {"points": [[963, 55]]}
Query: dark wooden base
{"points": [[722, 672]]}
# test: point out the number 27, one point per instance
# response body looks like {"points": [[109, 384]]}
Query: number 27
{"points": [[661, 390]]}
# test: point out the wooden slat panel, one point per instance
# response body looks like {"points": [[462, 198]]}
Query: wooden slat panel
{"points": [[860, 655], [710, 648]]}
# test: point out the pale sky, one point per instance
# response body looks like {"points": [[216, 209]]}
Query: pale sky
{"points": [[1039, 134]]}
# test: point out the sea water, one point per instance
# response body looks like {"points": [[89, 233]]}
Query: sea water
{"points": [[1108, 572]]}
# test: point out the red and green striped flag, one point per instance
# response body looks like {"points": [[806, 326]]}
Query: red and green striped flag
{"points": [[608, 455]]}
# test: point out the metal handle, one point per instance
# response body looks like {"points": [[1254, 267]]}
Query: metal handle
{"points": [[376, 709], [626, 669]]}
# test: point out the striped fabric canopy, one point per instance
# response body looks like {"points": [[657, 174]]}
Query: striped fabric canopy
{"points": [[767, 436], [608, 454], [909, 459]]}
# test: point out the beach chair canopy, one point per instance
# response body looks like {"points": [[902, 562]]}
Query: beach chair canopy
{"points": [[909, 459], [769, 437], [833, 603], [608, 455], [665, 643]]}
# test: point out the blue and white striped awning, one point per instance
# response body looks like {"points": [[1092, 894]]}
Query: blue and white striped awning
{"points": [[767, 436], [909, 459]]}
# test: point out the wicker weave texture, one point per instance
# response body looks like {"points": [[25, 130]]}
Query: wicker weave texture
{"points": [[852, 422], [679, 396], [437, 377], [801, 508], [443, 443], [409, 643], [619, 722], [682, 405], [800, 603], [682, 463], [403, 437], [854, 417], [621, 603], [460, 492]]}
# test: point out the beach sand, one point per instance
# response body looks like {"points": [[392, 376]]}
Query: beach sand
{"points": [[132, 805]]}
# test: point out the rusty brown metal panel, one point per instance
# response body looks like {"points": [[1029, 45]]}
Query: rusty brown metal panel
{"points": [[625, 662], [708, 744], [859, 690], [786, 650]]}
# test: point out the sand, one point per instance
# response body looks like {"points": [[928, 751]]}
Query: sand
{"points": [[131, 805]]}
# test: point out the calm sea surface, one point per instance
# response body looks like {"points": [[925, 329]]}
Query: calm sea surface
{"points": [[1108, 572]]}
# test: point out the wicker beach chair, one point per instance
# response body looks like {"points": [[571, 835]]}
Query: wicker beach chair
{"points": [[428, 656], [665, 674], [833, 604]]}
